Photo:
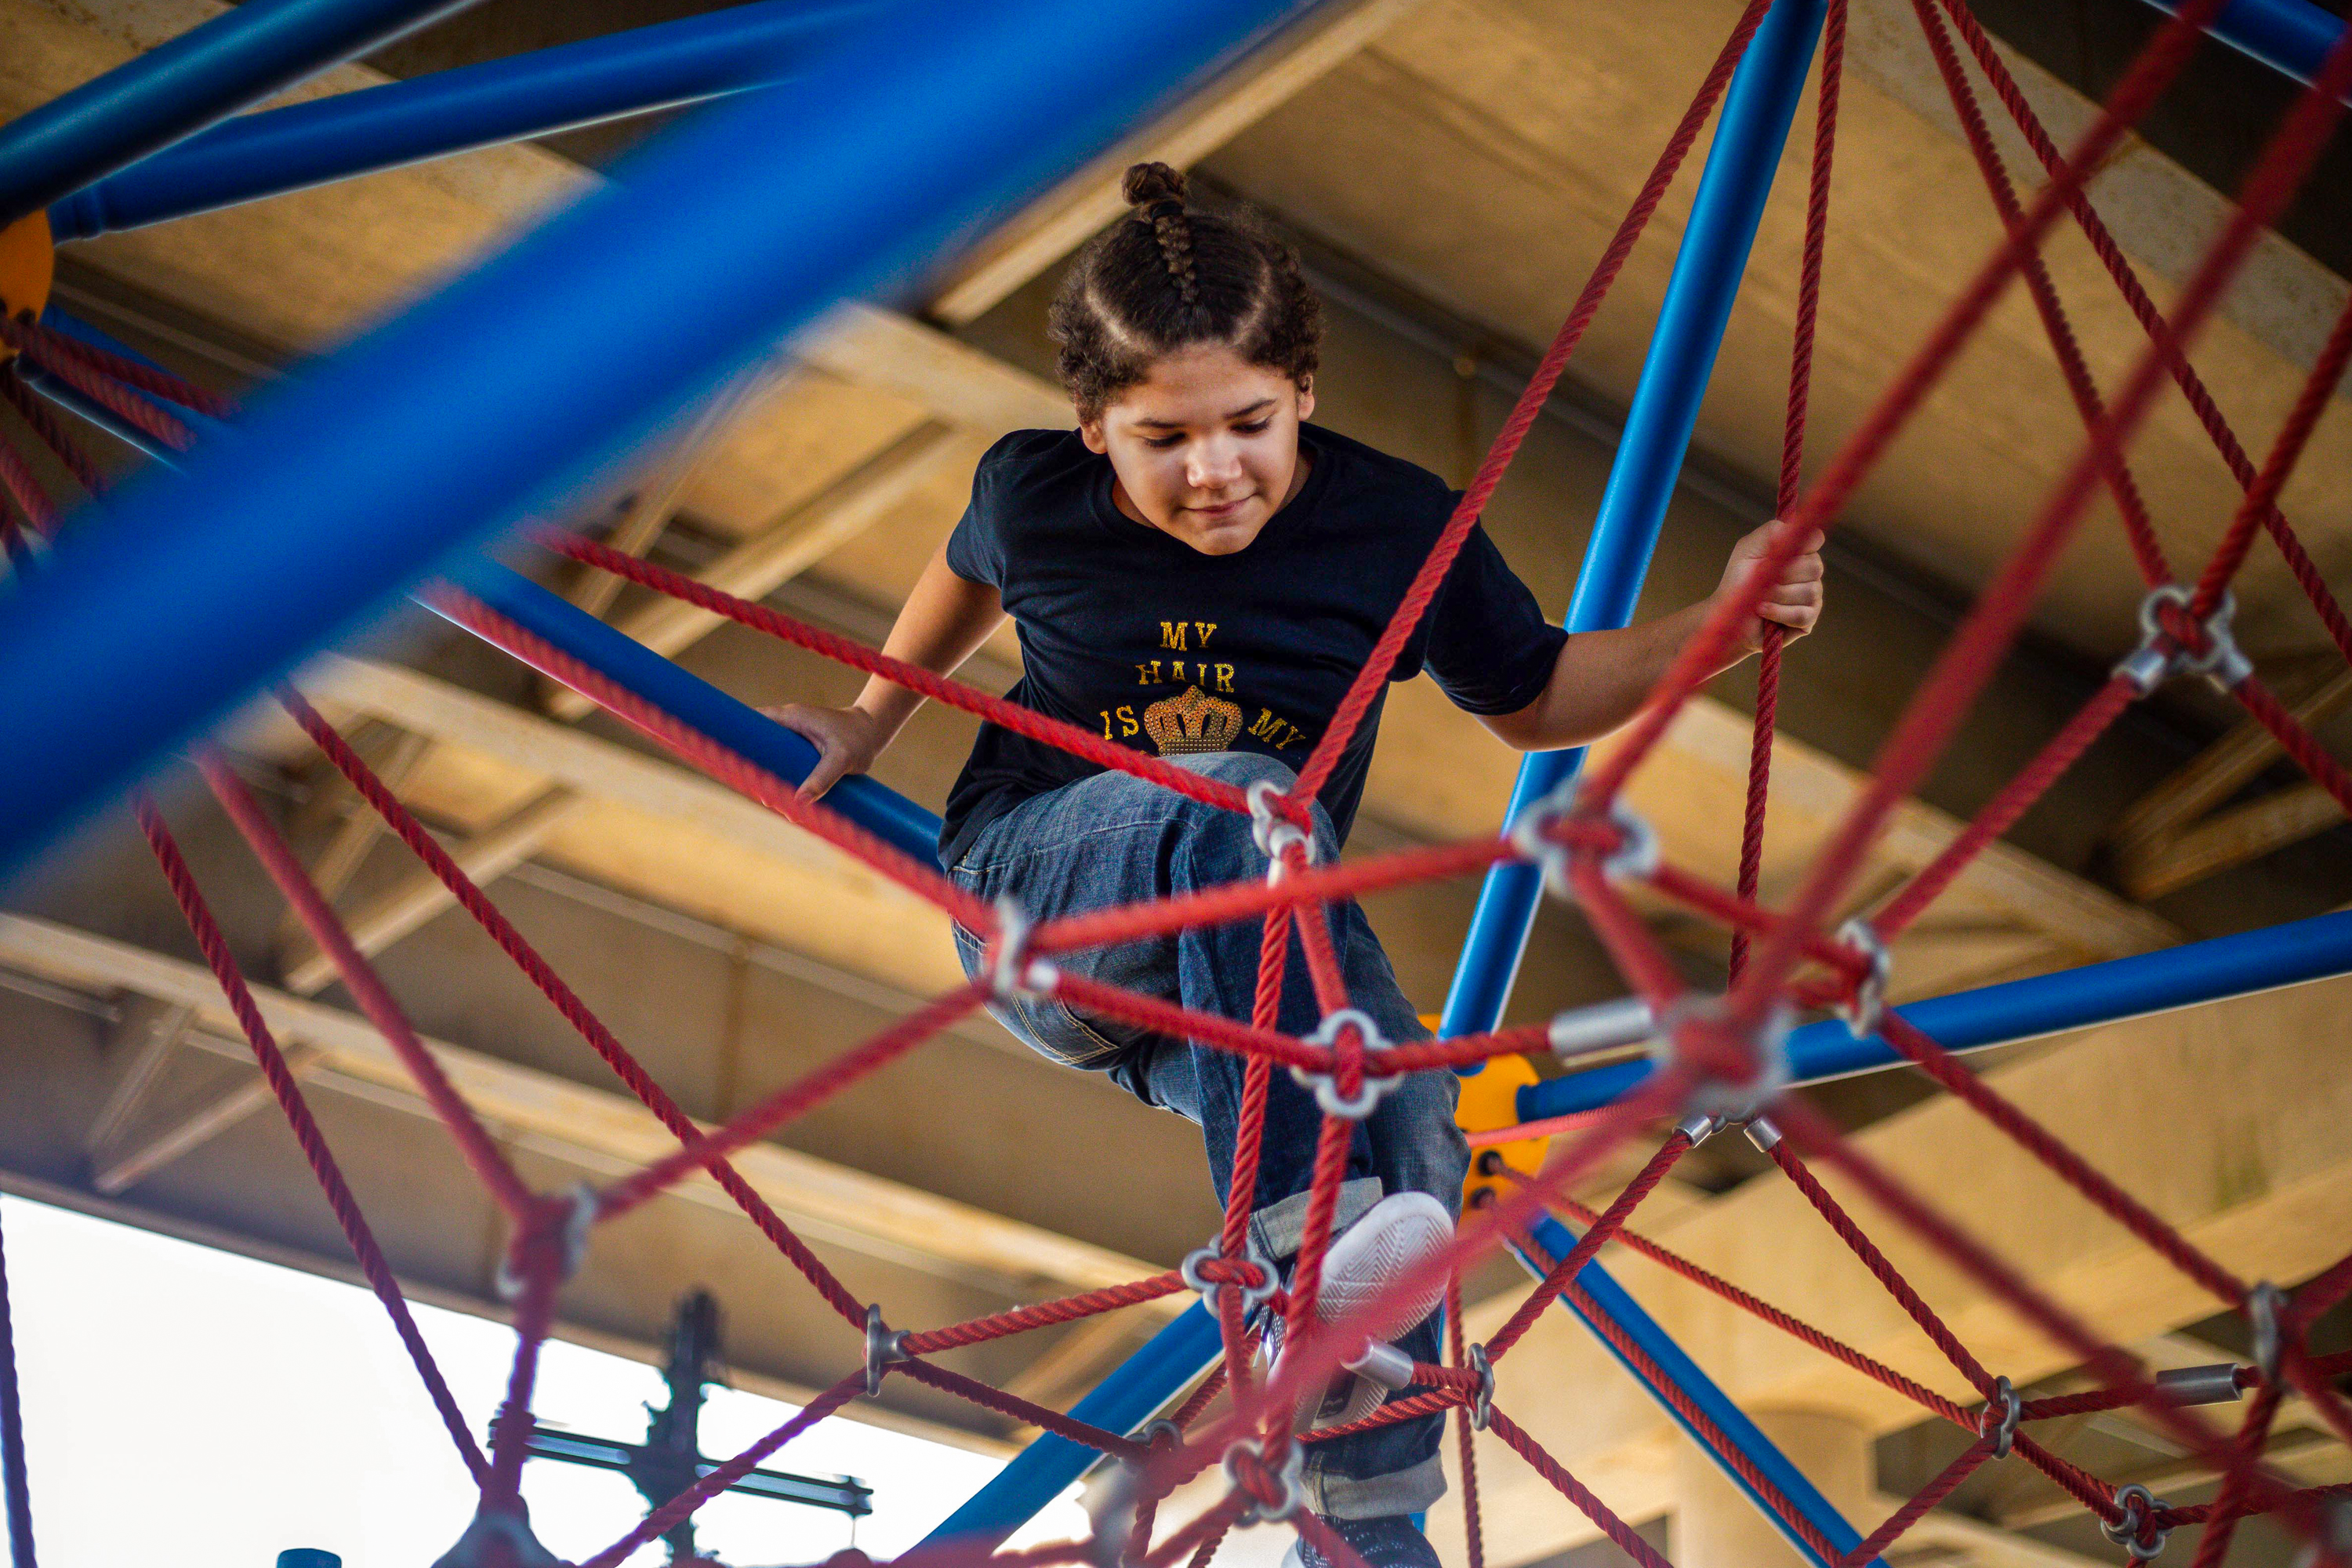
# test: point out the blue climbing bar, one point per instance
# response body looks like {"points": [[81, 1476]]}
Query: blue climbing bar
{"points": [[1140, 1388], [178, 87], [526, 387], [742, 730], [1754, 126], [2290, 37], [2190, 975], [536, 94]]}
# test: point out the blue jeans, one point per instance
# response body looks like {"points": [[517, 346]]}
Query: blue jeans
{"points": [[1114, 839]]}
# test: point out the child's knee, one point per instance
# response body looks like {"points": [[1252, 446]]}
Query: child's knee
{"points": [[1242, 770]]}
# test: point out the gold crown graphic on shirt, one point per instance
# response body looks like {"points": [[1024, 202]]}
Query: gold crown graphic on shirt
{"points": [[1195, 721]]}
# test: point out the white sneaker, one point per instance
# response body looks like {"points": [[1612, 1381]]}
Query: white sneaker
{"points": [[1395, 1233]]}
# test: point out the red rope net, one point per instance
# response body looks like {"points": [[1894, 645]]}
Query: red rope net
{"points": [[1240, 1416]]}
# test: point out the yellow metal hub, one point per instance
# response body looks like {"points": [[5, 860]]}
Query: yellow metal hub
{"points": [[28, 265], [1490, 1099]]}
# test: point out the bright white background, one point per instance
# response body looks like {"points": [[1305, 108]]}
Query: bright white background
{"points": [[190, 1407]]}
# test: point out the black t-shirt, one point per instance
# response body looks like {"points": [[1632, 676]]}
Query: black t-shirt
{"points": [[1140, 637]]}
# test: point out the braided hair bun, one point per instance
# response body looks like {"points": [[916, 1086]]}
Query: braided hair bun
{"points": [[1147, 183]]}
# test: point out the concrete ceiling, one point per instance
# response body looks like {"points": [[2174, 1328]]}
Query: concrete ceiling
{"points": [[1452, 166]]}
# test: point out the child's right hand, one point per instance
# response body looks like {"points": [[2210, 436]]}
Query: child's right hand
{"points": [[847, 740]]}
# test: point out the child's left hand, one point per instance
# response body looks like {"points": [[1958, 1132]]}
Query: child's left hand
{"points": [[1795, 600]]}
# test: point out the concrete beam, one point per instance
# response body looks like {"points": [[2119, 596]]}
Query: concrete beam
{"points": [[1066, 216], [195, 1127], [604, 1131]]}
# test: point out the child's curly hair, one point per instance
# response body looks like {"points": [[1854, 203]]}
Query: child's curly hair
{"points": [[1168, 276]]}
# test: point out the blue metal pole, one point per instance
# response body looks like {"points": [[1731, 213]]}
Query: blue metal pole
{"points": [[1757, 111], [2292, 36], [1740, 163], [535, 94], [177, 88], [742, 729], [1685, 1377], [1137, 1391], [2184, 976], [523, 387]]}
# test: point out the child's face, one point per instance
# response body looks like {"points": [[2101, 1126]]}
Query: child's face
{"points": [[1205, 449]]}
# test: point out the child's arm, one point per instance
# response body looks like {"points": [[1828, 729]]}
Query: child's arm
{"points": [[1602, 677], [946, 619]]}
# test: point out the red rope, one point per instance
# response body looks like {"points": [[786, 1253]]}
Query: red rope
{"points": [[2001, 814], [36, 413], [1474, 1530], [1912, 1512], [718, 761], [2105, 1362], [681, 1507], [1044, 1315], [1787, 1322], [279, 1076], [1792, 460], [1975, 651], [17, 482], [1575, 1492], [2214, 1544], [789, 1102], [1024, 1411], [1913, 1305], [101, 388], [2129, 502], [1704, 1050], [1701, 1424], [146, 378]]}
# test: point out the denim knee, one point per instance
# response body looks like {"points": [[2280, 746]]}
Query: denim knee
{"points": [[1224, 848]]}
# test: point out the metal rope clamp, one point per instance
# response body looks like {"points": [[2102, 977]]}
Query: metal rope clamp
{"points": [[1636, 855], [1326, 1085], [1251, 1297], [885, 1347], [1013, 974], [1294, 1492], [572, 1244], [2265, 1306], [1715, 1104], [2160, 655], [2004, 1431], [1159, 1427], [2137, 1503], [1869, 1004], [1482, 1403], [1272, 832]]}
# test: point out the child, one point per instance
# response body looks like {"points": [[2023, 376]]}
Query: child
{"points": [[1195, 571]]}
